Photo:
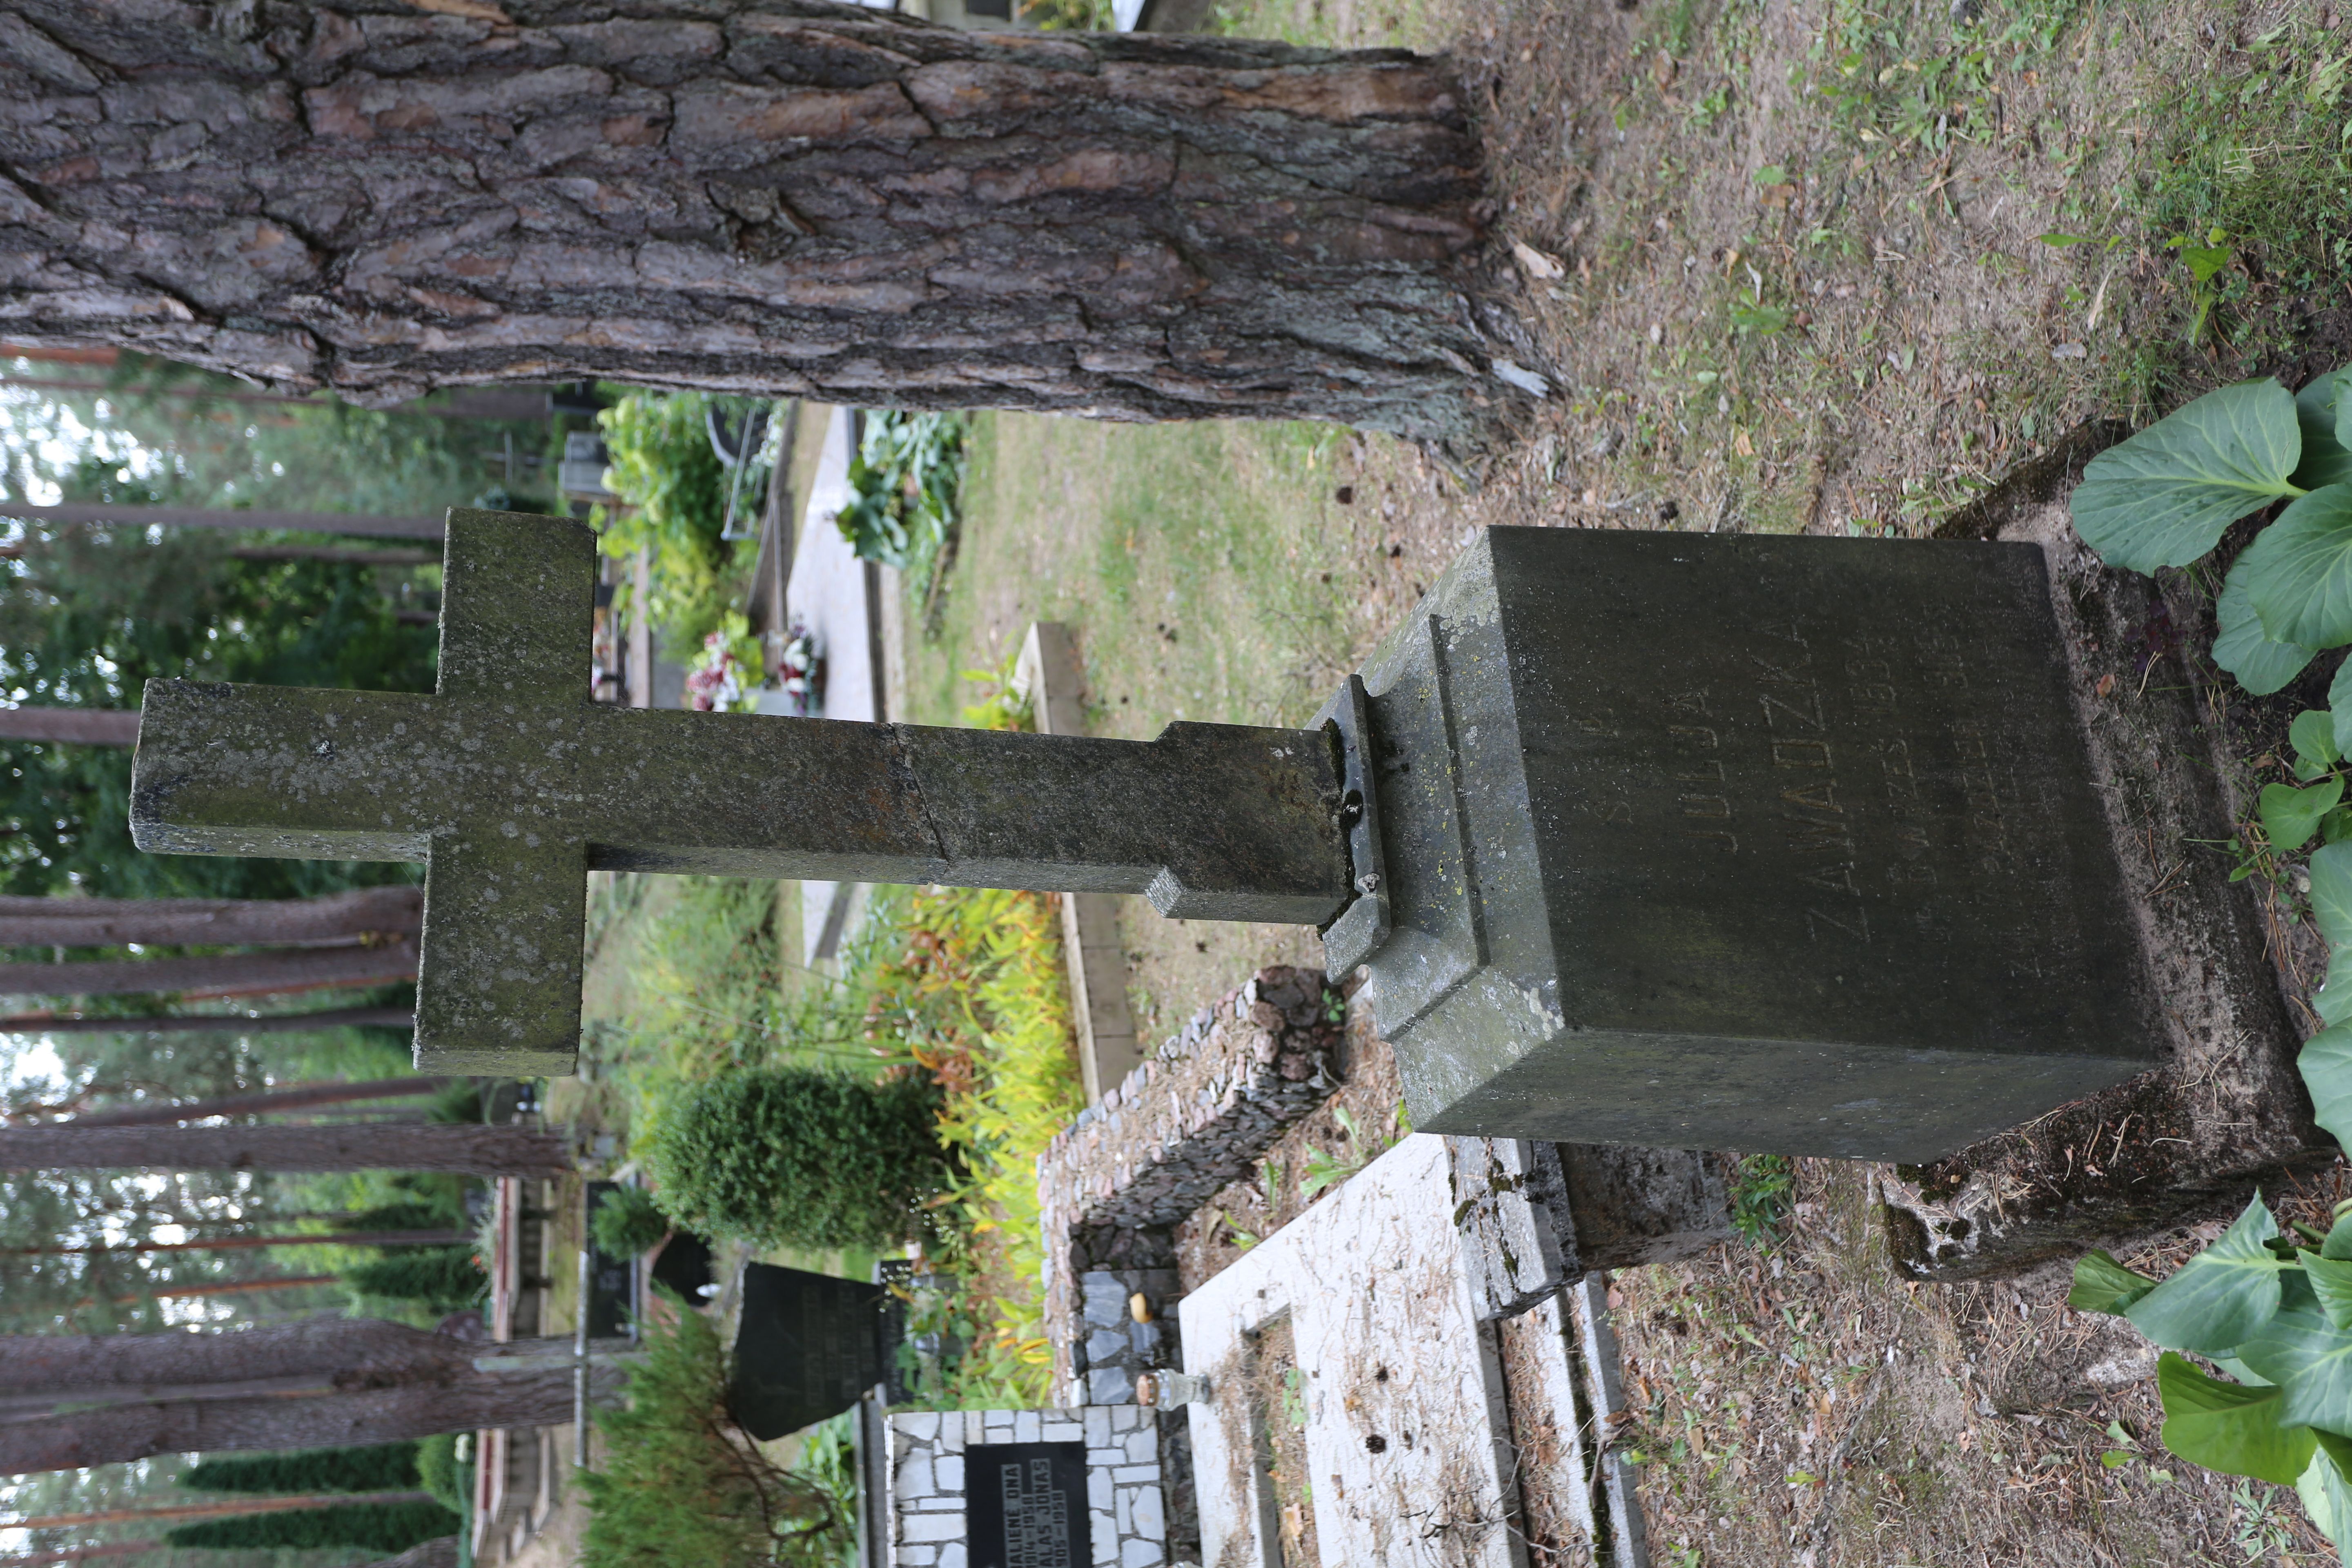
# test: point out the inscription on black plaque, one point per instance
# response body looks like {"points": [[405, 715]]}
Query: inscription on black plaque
{"points": [[1025, 1505], [808, 1347]]}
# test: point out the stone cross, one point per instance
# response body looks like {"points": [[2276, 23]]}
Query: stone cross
{"points": [[509, 785]]}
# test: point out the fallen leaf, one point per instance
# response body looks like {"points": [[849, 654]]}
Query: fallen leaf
{"points": [[1540, 266]]}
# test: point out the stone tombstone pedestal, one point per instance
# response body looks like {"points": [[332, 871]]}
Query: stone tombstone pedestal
{"points": [[1780, 845], [808, 1347]]}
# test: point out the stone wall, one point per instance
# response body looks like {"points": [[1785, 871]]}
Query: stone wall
{"points": [[1126, 1501], [1194, 1116]]}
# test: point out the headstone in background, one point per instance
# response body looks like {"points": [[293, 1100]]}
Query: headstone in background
{"points": [[612, 1281], [683, 1265], [808, 1347]]}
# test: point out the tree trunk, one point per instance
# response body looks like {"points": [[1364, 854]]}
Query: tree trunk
{"points": [[208, 1022], [77, 726], [229, 974], [224, 1288], [341, 1381], [224, 1509], [237, 1243], [359, 523], [335, 919], [763, 196], [294, 1098], [439, 1553], [85, 1553], [470, 1150]]}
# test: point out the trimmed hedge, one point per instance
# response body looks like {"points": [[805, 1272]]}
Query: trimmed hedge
{"points": [[627, 1222], [800, 1157], [387, 1527], [378, 1468]]}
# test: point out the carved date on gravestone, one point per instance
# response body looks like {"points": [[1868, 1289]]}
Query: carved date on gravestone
{"points": [[1025, 1505]]}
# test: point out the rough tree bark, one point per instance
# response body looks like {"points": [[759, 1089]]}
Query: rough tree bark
{"points": [[207, 1023], [773, 196], [241, 1243], [334, 920], [480, 1150], [294, 1097], [317, 1383], [228, 974]]}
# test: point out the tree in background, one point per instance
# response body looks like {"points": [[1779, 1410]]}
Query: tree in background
{"points": [[375, 1526], [89, 614]]}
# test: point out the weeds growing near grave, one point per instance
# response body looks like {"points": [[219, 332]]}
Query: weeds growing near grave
{"points": [[975, 992], [1759, 1197], [682, 1483], [664, 467], [2163, 498], [2274, 1315]]}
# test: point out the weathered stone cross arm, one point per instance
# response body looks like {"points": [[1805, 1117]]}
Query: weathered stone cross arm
{"points": [[509, 785]]}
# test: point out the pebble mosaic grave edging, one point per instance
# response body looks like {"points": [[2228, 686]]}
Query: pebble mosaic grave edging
{"points": [[1192, 1118], [1125, 1504]]}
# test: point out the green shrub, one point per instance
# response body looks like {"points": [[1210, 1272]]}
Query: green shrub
{"points": [[629, 1221], [681, 1484], [905, 483], [442, 1473], [799, 1156], [378, 1468], [661, 465], [387, 1527], [1760, 1198], [2273, 1311], [441, 1277]]}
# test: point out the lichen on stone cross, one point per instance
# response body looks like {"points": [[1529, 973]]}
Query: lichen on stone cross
{"points": [[509, 785]]}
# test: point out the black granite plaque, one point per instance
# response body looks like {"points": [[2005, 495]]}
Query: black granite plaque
{"points": [[809, 1345], [1025, 1505]]}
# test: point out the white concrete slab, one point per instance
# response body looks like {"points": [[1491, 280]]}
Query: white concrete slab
{"points": [[1407, 1438]]}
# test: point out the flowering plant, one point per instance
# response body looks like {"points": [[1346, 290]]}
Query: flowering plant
{"points": [[725, 675], [801, 672]]}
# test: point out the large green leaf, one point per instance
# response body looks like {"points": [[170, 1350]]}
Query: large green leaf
{"points": [[2339, 700], [2331, 1282], [2246, 651], [2298, 571], [2291, 815], [2229, 1427], [2220, 1296], [2331, 892], [2320, 409], [2332, 1001], [2311, 1359], [2327, 1491], [2103, 1285], [2313, 736], [2326, 1067], [2163, 497]]}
